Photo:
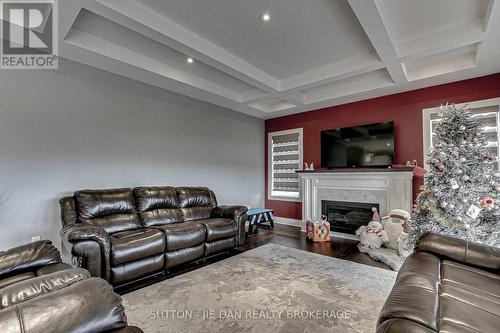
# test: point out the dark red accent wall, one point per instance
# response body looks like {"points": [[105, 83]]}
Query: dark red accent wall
{"points": [[405, 109]]}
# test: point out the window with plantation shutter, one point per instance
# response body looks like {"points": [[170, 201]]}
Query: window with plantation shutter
{"points": [[285, 157], [488, 114]]}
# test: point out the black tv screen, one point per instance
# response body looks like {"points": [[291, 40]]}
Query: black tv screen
{"points": [[360, 146]]}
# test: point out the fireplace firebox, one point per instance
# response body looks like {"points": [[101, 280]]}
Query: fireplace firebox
{"points": [[345, 216]]}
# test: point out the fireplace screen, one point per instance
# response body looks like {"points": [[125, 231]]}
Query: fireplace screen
{"points": [[346, 216]]}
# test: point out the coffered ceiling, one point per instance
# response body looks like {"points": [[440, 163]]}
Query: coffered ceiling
{"points": [[310, 54]]}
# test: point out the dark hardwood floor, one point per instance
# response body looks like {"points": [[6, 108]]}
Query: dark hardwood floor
{"points": [[284, 235], [290, 236]]}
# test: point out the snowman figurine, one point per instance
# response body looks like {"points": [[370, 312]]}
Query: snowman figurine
{"points": [[393, 226], [371, 236]]}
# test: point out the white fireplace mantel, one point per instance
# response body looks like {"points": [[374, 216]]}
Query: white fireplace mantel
{"points": [[389, 188]]}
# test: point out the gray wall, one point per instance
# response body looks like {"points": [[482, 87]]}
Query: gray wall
{"points": [[78, 127]]}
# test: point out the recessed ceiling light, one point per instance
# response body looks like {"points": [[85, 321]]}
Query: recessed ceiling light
{"points": [[189, 60], [266, 17]]}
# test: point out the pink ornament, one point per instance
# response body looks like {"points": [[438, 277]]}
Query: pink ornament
{"points": [[487, 202]]}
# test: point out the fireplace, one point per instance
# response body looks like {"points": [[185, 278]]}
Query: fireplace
{"points": [[346, 216]]}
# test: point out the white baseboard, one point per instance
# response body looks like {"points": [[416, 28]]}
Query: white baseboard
{"points": [[293, 222], [302, 225], [343, 235]]}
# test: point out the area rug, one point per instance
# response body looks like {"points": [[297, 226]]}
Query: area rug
{"points": [[268, 289]]}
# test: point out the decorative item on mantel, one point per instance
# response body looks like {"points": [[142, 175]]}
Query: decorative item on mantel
{"points": [[309, 167], [318, 231], [418, 172]]}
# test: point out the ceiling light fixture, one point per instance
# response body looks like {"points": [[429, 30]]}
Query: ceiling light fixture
{"points": [[189, 60], [266, 17]]}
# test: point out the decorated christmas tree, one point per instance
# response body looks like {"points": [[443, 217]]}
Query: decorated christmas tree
{"points": [[462, 191]]}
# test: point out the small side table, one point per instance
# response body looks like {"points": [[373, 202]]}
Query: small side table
{"points": [[257, 216]]}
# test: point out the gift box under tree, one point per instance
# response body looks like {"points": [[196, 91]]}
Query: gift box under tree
{"points": [[318, 231]]}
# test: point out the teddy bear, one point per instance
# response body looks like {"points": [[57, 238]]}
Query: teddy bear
{"points": [[371, 236]]}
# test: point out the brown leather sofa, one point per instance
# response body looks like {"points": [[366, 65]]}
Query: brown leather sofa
{"points": [[39, 293], [447, 285], [126, 234]]}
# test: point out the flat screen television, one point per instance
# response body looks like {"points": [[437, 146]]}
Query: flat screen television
{"points": [[360, 146]]}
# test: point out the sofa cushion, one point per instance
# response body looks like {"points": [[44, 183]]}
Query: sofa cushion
{"points": [[136, 244], [52, 268], [113, 209], [16, 278], [196, 213], [135, 269], [158, 205], [196, 202], [177, 257], [470, 279], [196, 197], [182, 235], [219, 245], [465, 315], [155, 197], [469, 298], [219, 228]]}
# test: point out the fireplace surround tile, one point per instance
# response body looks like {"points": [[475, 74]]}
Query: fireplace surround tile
{"points": [[389, 189]]}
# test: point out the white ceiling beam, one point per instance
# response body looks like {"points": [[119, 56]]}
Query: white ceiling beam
{"points": [[442, 40], [295, 98], [103, 47], [491, 40], [369, 17], [68, 13], [324, 76], [253, 96]]}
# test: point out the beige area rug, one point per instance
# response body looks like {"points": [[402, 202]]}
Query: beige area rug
{"points": [[268, 289]]}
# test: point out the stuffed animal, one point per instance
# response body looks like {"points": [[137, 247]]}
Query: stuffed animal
{"points": [[372, 236], [393, 226]]}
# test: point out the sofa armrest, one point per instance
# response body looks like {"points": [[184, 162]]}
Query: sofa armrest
{"points": [[76, 237], [28, 256], [398, 325], [465, 252], [87, 306], [238, 213]]}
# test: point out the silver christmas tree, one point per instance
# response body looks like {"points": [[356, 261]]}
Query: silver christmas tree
{"points": [[462, 189]]}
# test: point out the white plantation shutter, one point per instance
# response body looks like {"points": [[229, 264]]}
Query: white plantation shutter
{"points": [[285, 157], [488, 114]]}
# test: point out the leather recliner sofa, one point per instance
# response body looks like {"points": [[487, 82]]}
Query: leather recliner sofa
{"points": [[40, 294], [446, 285], [126, 234]]}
